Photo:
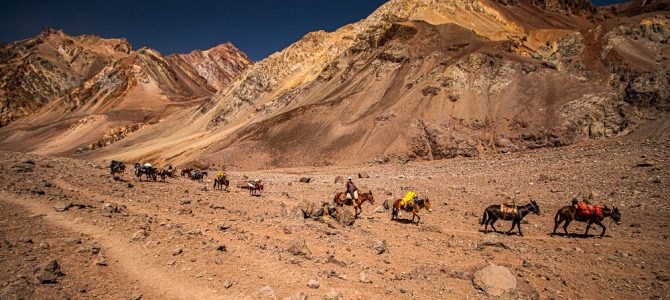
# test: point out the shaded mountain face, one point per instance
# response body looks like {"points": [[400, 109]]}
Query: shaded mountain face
{"points": [[62, 94], [426, 79]]}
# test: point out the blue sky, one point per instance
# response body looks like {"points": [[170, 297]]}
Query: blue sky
{"points": [[257, 27]]}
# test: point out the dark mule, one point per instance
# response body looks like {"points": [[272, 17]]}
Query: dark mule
{"points": [[198, 175], [341, 199], [418, 205], [569, 213], [221, 182], [255, 188], [117, 167], [494, 212], [186, 172], [149, 172]]}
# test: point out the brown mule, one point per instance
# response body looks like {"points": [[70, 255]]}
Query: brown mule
{"points": [[256, 189], [340, 199], [569, 213], [164, 173], [418, 205]]}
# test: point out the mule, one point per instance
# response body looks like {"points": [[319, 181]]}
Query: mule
{"points": [[255, 188], [117, 167], [569, 213], [186, 172], [164, 173], [340, 199], [198, 175], [418, 205], [221, 182], [149, 172], [495, 212]]}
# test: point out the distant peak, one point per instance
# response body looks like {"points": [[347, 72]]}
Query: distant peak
{"points": [[48, 31]]}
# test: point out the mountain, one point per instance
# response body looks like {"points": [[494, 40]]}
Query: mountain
{"points": [[219, 65], [64, 95], [429, 79]]}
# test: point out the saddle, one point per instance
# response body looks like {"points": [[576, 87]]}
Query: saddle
{"points": [[507, 208], [348, 195], [586, 211]]}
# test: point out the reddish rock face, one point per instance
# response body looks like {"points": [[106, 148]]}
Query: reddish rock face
{"points": [[219, 65]]}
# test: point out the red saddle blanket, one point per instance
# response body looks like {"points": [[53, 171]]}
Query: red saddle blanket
{"points": [[585, 210]]}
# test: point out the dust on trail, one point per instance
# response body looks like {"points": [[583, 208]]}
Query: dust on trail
{"points": [[138, 267]]}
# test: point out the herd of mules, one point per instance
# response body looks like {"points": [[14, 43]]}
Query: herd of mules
{"points": [[492, 214]]}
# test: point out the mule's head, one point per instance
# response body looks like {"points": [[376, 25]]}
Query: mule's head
{"points": [[534, 207], [369, 197], [616, 216], [427, 205]]}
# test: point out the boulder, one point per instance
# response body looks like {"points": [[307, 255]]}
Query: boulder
{"points": [[363, 175], [495, 280], [305, 180], [345, 216], [298, 247]]}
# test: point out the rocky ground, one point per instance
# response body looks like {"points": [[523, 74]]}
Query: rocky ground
{"points": [[67, 229]]}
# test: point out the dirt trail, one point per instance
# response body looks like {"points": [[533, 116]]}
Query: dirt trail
{"points": [[205, 244], [149, 276]]}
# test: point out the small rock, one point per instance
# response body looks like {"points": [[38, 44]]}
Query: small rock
{"points": [[635, 225], [218, 261], [380, 247], [380, 209], [177, 251], [363, 175], [313, 284], [267, 291], [222, 248], [101, 262], [139, 235], [526, 263], [228, 284], [298, 247], [332, 295], [364, 278], [47, 279], [305, 180], [338, 179], [53, 268], [184, 202]]}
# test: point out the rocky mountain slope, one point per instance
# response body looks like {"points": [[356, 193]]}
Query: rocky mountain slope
{"points": [[76, 94], [426, 79], [219, 65]]}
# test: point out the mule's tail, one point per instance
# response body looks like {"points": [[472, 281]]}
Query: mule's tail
{"points": [[484, 217], [558, 215]]}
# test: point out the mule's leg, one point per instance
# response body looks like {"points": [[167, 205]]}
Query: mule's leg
{"points": [[418, 218], [486, 226], [556, 224], [602, 234], [513, 225], [588, 226], [493, 221], [565, 227], [518, 226]]}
